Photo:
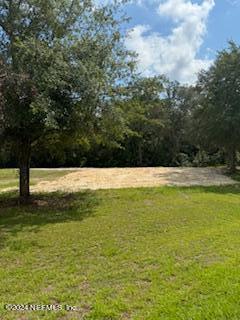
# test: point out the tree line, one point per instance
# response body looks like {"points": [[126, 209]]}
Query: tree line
{"points": [[70, 95]]}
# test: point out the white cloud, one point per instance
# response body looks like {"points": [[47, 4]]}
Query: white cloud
{"points": [[176, 54]]}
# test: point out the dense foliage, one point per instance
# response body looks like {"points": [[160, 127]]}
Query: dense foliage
{"points": [[70, 96], [156, 126], [60, 66], [159, 127], [217, 117]]}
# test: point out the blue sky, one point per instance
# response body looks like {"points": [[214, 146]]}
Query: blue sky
{"points": [[181, 37]]}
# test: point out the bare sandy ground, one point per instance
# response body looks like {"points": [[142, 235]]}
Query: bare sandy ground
{"points": [[89, 178]]}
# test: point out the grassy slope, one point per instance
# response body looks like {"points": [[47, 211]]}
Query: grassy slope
{"points": [[9, 177], [156, 253]]}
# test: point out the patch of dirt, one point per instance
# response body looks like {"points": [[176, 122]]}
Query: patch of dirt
{"points": [[114, 178]]}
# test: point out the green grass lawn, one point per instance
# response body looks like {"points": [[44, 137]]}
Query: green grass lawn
{"points": [[9, 177], [150, 253]]}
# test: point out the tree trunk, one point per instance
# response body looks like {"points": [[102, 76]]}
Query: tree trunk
{"points": [[232, 164], [24, 172]]}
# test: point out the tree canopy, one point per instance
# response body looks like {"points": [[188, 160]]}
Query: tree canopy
{"points": [[218, 114], [60, 65]]}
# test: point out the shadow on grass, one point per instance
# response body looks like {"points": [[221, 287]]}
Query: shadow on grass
{"points": [[222, 189], [43, 209], [63, 207], [235, 176]]}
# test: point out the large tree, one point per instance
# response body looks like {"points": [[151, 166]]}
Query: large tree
{"points": [[145, 116], [217, 117], [60, 64]]}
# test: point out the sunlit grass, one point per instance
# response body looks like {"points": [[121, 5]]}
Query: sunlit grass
{"points": [[151, 253]]}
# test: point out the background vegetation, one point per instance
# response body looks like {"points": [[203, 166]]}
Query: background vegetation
{"points": [[70, 95]]}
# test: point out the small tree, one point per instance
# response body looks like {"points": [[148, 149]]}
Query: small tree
{"points": [[217, 117], [59, 63]]}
